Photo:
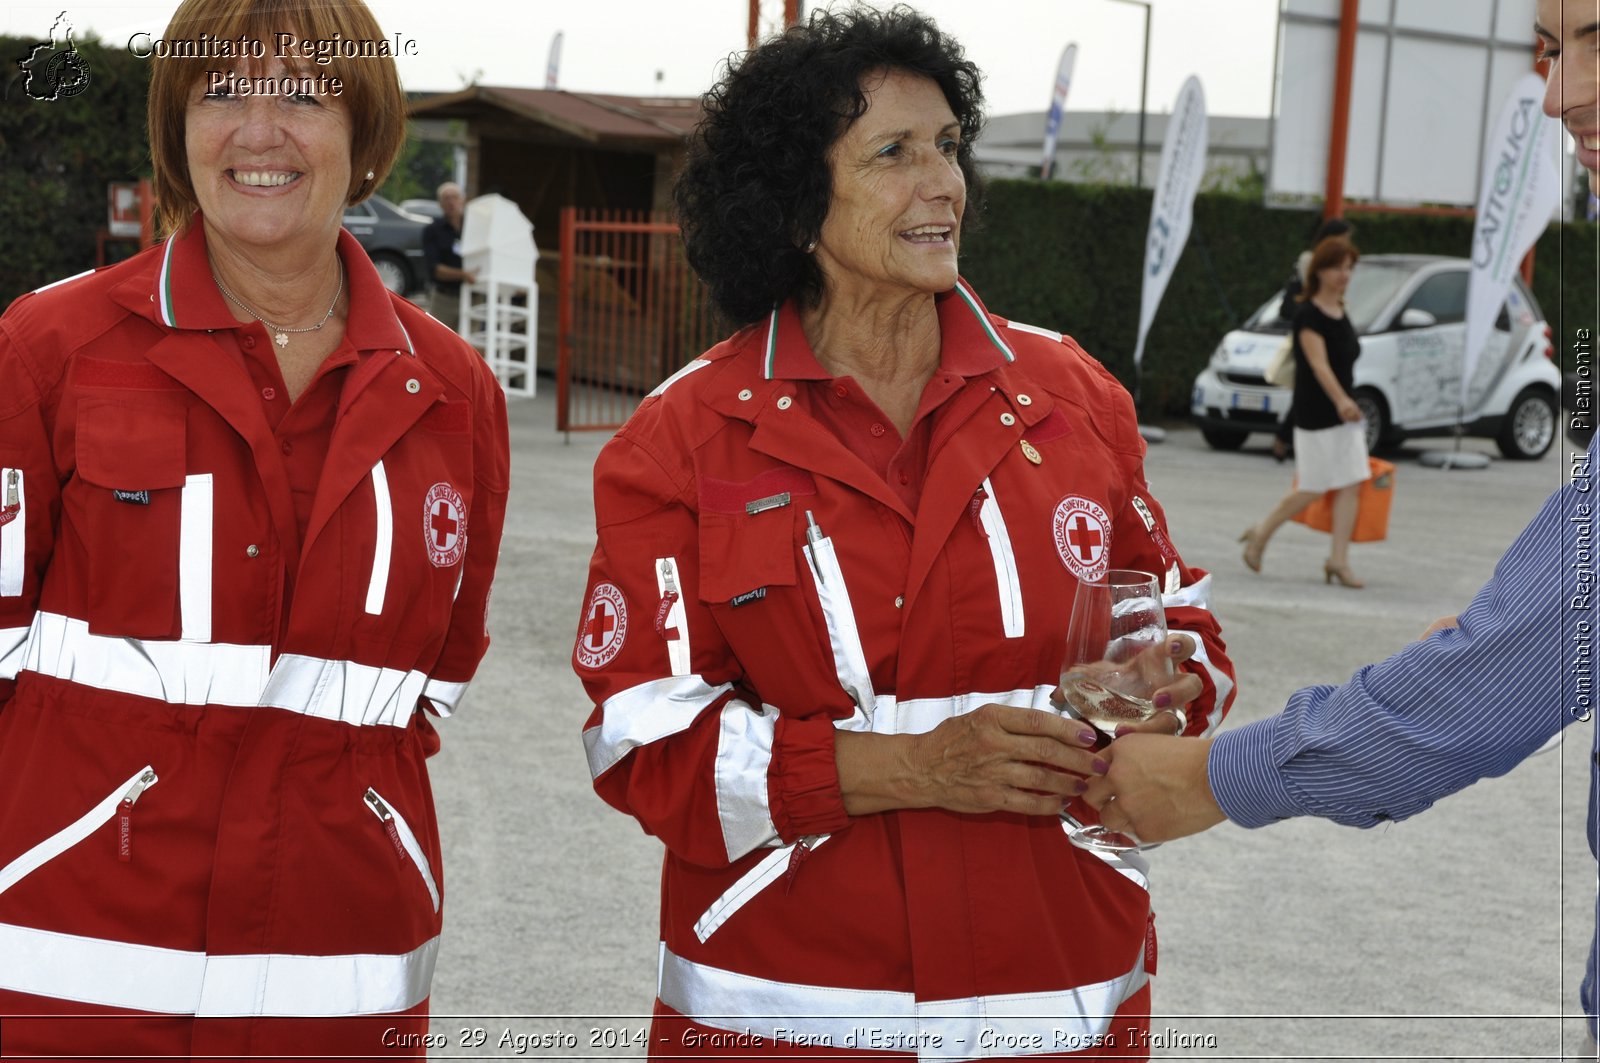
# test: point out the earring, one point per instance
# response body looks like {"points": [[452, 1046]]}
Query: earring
{"points": [[812, 246], [369, 175]]}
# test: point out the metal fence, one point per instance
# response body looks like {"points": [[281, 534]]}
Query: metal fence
{"points": [[631, 313]]}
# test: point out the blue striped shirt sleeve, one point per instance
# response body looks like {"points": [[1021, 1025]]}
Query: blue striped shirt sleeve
{"points": [[1459, 706]]}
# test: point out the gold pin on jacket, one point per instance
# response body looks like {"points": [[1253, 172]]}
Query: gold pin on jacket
{"points": [[1030, 453]]}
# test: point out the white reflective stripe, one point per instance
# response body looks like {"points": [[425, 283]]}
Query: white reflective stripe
{"points": [[1196, 595], [1005, 563], [343, 691], [446, 697], [1220, 680], [408, 841], [646, 713], [176, 982], [1035, 330], [849, 660], [220, 673], [63, 280], [1057, 1021], [677, 618], [383, 541], [195, 530], [179, 673], [13, 640], [13, 536], [744, 754], [767, 871], [661, 388], [72, 834], [921, 715]]}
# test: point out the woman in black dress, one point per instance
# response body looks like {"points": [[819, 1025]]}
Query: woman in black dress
{"points": [[1330, 452]]}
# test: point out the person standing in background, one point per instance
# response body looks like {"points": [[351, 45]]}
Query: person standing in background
{"points": [[1283, 439], [441, 257]]}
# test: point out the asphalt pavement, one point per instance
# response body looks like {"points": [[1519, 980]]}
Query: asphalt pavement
{"points": [[1459, 934]]}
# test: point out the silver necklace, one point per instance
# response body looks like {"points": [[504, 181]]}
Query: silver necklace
{"points": [[281, 333]]}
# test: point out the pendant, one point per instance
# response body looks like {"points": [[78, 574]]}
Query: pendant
{"points": [[281, 339], [1030, 453]]}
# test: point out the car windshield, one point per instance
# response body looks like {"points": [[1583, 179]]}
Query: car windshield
{"points": [[1372, 286]]}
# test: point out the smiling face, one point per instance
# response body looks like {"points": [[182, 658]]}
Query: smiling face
{"points": [[269, 171], [1569, 33], [894, 222]]}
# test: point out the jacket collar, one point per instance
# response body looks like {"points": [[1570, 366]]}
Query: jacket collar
{"points": [[181, 292], [971, 345]]}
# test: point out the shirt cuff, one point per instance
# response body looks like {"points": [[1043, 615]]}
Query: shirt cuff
{"points": [[1245, 777], [804, 779]]}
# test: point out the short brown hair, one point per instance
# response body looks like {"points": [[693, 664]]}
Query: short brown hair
{"points": [[371, 87], [1330, 252]]}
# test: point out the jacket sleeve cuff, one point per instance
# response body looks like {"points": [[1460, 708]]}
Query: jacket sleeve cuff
{"points": [[1245, 777], [803, 782]]}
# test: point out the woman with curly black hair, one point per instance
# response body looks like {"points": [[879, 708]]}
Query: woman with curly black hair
{"points": [[827, 611]]}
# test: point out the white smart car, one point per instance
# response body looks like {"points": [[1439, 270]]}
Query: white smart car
{"points": [[1410, 312]]}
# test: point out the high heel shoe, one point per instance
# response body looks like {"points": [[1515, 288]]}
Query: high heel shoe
{"points": [[1252, 550], [1342, 573]]}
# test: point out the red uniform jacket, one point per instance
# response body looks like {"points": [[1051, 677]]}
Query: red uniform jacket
{"points": [[213, 800], [756, 586]]}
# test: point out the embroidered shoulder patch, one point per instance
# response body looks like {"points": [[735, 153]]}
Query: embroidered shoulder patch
{"points": [[444, 525], [604, 626], [1082, 531]]}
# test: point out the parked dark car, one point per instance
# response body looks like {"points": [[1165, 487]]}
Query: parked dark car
{"points": [[393, 237]]}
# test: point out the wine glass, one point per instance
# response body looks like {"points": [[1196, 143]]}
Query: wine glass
{"points": [[1116, 659]]}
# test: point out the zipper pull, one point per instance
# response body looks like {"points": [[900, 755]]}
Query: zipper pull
{"points": [[668, 599], [386, 817], [146, 779], [797, 856], [13, 502], [975, 511]]}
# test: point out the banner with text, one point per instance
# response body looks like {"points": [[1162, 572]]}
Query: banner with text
{"points": [[552, 68], [1058, 107], [1183, 164], [1517, 197]]}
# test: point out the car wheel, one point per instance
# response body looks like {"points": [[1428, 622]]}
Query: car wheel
{"points": [[1224, 438], [392, 271], [1530, 425], [1380, 433]]}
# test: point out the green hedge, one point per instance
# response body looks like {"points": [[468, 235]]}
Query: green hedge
{"points": [[1068, 257], [56, 157]]}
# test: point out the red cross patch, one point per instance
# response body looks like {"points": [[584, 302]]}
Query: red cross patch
{"points": [[603, 627], [444, 525], [1083, 537]]}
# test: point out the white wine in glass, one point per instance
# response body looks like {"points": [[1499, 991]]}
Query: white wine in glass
{"points": [[1116, 659]]}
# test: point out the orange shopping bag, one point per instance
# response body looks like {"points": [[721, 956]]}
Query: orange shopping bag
{"points": [[1372, 516]]}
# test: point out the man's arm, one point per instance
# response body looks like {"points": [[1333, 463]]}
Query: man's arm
{"points": [[1463, 704]]}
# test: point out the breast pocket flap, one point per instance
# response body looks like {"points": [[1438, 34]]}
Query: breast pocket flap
{"points": [[131, 448]]}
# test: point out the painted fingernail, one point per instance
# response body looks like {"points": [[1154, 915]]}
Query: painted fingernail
{"points": [[1077, 786], [1123, 729], [1178, 645], [1100, 767], [1087, 737], [1163, 700]]}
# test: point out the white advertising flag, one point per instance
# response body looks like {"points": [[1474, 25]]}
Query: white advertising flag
{"points": [[1517, 198], [1183, 163], [1058, 106], [552, 69]]}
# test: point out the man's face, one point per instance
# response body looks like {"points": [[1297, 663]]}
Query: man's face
{"points": [[1569, 35], [452, 203]]}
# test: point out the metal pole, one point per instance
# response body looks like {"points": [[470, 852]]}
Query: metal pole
{"points": [[1144, 90], [1339, 131]]}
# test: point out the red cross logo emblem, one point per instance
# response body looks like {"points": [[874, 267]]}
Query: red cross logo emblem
{"points": [[603, 627], [1082, 531], [444, 525]]}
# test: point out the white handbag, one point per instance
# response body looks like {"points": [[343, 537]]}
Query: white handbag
{"points": [[1280, 367]]}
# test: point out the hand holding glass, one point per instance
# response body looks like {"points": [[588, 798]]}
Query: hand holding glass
{"points": [[1116, 660]]}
